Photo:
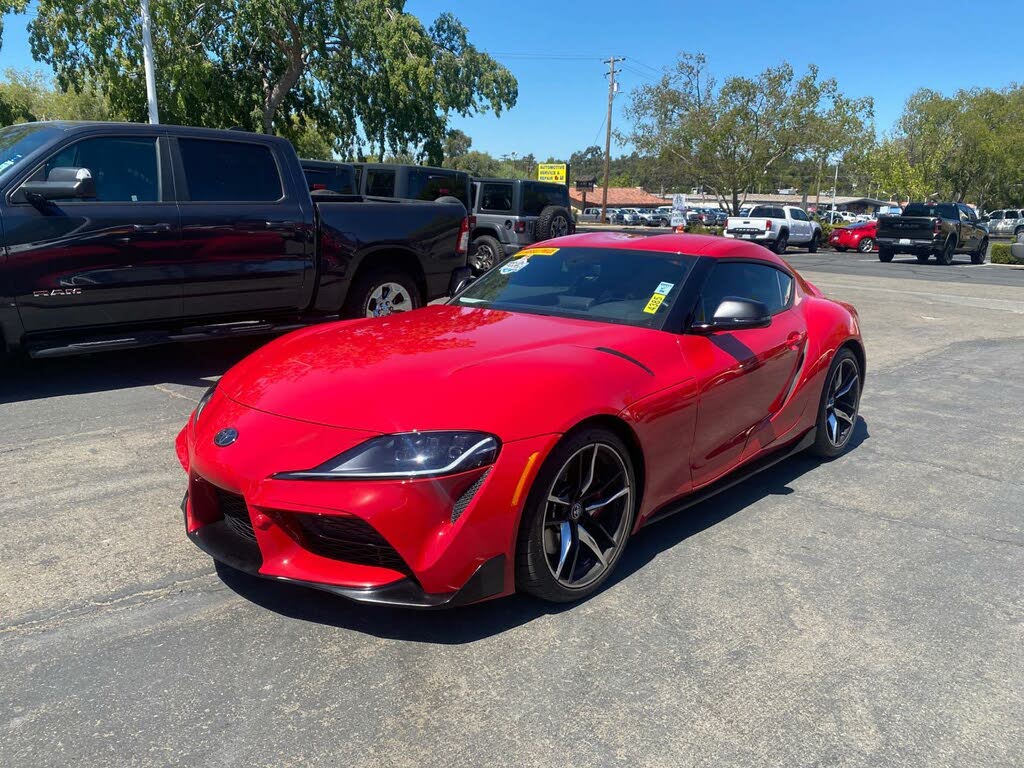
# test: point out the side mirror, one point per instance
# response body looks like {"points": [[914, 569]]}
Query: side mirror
{"points": [[736, 314], [1017, 250], [61, 184], [460, 280]]}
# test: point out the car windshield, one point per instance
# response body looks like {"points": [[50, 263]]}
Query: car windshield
{"points": [[17, 141], [602, 284]]}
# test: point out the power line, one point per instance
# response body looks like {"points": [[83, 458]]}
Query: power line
{"points": [[608, 134]]}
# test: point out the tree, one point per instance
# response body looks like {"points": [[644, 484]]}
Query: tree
{"points": [[729, 136], [456, 144], [478, 164], [31, 96], [364, 71]]}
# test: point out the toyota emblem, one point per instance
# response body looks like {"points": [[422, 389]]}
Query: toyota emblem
{"points": [[225, 437]]}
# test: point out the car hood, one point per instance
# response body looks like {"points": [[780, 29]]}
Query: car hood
{"points": [[445, 367]]}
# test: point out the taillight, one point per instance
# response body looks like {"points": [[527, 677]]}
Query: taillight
{"points": [[936, 227], [520, 226], [462, 244], [767, 224]]}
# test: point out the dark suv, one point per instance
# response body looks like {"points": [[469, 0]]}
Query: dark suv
{"points": [[513, 213]]}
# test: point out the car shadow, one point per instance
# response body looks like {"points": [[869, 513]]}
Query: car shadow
{"points": [[26, 379], [476, 622]]}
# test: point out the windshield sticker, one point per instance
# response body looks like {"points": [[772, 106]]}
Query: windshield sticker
{"points": [[664, 288], [654, 303], [513, 266], [538, 252]]}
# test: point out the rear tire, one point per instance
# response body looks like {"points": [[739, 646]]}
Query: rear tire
{"points": [[837, 410], [866, 245], [487, 252], [945, 255], [548, 553], [978, 256], [781, 243], [382, 291], [885, 254]]}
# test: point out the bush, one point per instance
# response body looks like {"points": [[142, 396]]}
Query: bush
{"points": [[826, 231], [696, 228], [1000, 253]]}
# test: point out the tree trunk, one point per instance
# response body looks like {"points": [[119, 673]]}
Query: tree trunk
{"points": [[284, 84]]}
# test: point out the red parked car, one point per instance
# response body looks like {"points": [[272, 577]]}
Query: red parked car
{"points": [[860, 237], [631, 378]]}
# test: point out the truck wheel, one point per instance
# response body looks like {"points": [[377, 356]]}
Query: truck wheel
{"points": [[1018, 232], [486, 253], [978, 256], [781, 242], [381, 292], [922, 258], [812, 247], [885, 254], [945, 256], [554, 221]]}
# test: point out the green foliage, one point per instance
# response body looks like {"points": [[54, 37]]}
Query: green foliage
{"points": [[730, 135], [456, 144], [826, 230], [1000, 253], [960, 147], [365, 73], [29, 96]]}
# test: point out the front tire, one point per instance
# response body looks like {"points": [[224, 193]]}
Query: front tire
{"points": [[837, 410], [577, 518], [380, 292], [486, 253], [885, 254], [978, 256]]}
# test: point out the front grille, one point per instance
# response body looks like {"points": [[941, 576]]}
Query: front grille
{"points": [[467, 497], [236, 514], [350, 539]]}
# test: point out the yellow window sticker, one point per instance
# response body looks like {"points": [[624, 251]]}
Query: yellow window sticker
{"points": [[654, 303], [538, 252]]}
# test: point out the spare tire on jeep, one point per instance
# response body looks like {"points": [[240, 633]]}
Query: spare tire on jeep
{"points": [[554, 221]]}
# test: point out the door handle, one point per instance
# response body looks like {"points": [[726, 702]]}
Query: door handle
{"points": [[151, 228], [795, 340]]}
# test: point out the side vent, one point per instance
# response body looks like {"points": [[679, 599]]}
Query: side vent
{"points": [[467, 497]]}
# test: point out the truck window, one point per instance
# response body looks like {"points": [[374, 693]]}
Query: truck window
{"points": [[537, 196], [496, 197], [430, 185], [767, 212], [123, 168], [380, 182], [229, 171]]}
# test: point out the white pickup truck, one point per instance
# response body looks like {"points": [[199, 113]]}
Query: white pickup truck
{"points": [[776, 227]]}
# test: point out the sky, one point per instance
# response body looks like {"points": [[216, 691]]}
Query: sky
{"points": [[555, 49]]}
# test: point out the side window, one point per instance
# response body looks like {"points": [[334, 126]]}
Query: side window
{"points": [[496, 197], [799, 215], [537, 196], [758, 282], [125, 169], [430, 185], [229, 171], [380, 182], [995, 215]]}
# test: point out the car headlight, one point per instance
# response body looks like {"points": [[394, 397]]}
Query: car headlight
{"points": [[207, 395], [407, 455]]}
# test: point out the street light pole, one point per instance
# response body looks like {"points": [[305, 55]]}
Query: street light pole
{"points": [[147, 56], [835, 184]]}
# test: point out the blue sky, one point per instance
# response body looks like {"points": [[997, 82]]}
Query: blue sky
{"points": [[885, 50]]}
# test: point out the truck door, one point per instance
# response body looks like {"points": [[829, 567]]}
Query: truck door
{"points": [[246, 242], [103, 261]]}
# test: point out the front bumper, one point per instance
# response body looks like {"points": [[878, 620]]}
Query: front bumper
{"points": [[425, 543]]}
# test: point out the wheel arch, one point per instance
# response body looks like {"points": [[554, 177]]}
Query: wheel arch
{"points": [[395, 258], [621, 429], [855, 346]]}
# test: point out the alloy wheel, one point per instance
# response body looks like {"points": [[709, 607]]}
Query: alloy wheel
{"points": [[388, 298], [586, 515], [559, 226], [842, 403], [484, 258]]}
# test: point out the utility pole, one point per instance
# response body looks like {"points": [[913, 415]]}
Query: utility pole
{"points": [[147, 56], [835, 185], [608, 134]]}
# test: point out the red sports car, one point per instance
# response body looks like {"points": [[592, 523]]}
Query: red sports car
{"points": [[860, 237], [514, 438]]}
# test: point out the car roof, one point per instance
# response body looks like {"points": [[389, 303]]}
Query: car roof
{"points": [[692, 245], [76, 126]]}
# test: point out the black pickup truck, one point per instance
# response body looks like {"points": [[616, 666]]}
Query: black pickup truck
{"points": [[939, 229], [117, 235]]}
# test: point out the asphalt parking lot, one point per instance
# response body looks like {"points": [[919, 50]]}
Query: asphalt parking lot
{"points": [[867, 611]]}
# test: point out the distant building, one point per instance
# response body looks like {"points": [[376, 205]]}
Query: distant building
{"points": [[618, 197]]}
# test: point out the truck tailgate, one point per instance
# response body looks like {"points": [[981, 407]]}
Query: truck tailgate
{"points": [[908, 227]]}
